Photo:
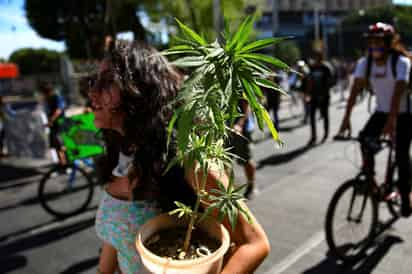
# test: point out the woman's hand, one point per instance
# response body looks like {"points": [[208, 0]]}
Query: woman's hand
{"points": [[251, 245]]}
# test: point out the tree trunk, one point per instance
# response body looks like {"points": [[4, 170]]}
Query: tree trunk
{"points": [[192, 11]]}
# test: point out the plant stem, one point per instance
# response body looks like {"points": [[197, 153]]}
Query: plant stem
{"points": [[193, 217], [191, 225]]}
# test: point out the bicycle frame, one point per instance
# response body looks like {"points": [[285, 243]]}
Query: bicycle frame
{"points": [[372, 188], [72, 176], [360, 214]]}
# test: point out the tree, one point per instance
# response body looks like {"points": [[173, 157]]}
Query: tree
{"points": [[33, 61], [288, 51], [357, 23], [198, 14], [82, 25]]}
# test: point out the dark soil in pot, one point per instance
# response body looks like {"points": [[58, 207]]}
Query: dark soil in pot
{"points": [[169, 243]]}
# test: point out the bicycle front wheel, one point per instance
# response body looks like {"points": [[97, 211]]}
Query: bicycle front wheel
{"points": [[351, 220], [65, 191], [392, 195]]}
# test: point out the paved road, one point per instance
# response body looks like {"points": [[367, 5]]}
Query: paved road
{"points": [[296, 184]]}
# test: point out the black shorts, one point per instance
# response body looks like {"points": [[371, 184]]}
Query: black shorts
{"points": [[374, 127], [54, 140], [241, 146]]}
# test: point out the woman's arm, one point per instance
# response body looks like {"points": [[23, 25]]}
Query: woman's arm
{"points": [[251, 245], [108, 260]]}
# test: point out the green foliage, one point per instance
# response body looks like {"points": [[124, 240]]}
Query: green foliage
{"points": [[223, 73], [197, 14], [227, 201], [33, 61], [288, 51], [181, 210], [82, 25], [356, 23]]}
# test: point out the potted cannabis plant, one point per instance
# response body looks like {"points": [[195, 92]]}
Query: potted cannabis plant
{"points": [[223, 73]]}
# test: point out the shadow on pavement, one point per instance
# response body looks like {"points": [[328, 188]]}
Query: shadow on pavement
{"points": [[12, 263], [364, 266], [26, 202], [29, 229], [9, 172], [22, 183], [81, 266], [9, 260], [283, 158], [290, 128]]}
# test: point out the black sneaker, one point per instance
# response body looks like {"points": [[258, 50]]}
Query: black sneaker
{"points": [[312, 142], [406, 210]]}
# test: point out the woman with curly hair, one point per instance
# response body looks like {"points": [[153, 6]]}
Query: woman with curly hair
{"points": [[131, 100]]}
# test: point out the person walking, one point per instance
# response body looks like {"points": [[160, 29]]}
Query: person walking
{"points": [[320, 81], [241, 141], [131, 100]]}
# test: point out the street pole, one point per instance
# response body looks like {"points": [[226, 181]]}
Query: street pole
{"points": [[275, 17], [340, 39], [316, 18], [325, 36], [217, 18]]}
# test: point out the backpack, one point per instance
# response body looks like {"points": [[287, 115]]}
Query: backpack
{"points": [[394, 61]]}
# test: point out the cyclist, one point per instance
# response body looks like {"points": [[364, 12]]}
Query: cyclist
{"points": [[55, 106], [386, 71]]}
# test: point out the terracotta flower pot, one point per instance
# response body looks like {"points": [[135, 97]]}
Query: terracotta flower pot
{"points": [[206, 265]]}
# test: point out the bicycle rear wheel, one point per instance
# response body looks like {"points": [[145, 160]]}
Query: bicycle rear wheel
{"points": [[351, 220], [65, 191]]}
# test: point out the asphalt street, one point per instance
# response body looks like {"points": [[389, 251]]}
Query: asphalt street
{"points": [[295, 183]]}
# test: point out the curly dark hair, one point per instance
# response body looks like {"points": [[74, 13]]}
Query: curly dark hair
{"points": [[148, 84]]}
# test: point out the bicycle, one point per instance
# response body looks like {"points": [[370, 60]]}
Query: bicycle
{"points": [[67, 190], [356, 202]]}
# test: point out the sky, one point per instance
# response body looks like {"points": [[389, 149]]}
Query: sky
{"points": [[403, 2], [15, 31]]}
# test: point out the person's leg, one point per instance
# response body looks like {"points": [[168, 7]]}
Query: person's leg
{"points": [[250, 171], [62, 156], [371, 131], [1, 141], [305, 109], [313, 108], [275, 103], [248, 164], [324, 109], [57, 146], [403, 144], [108, 260]]}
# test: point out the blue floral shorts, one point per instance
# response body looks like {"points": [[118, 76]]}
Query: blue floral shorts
{"points": [[117, 223]]}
